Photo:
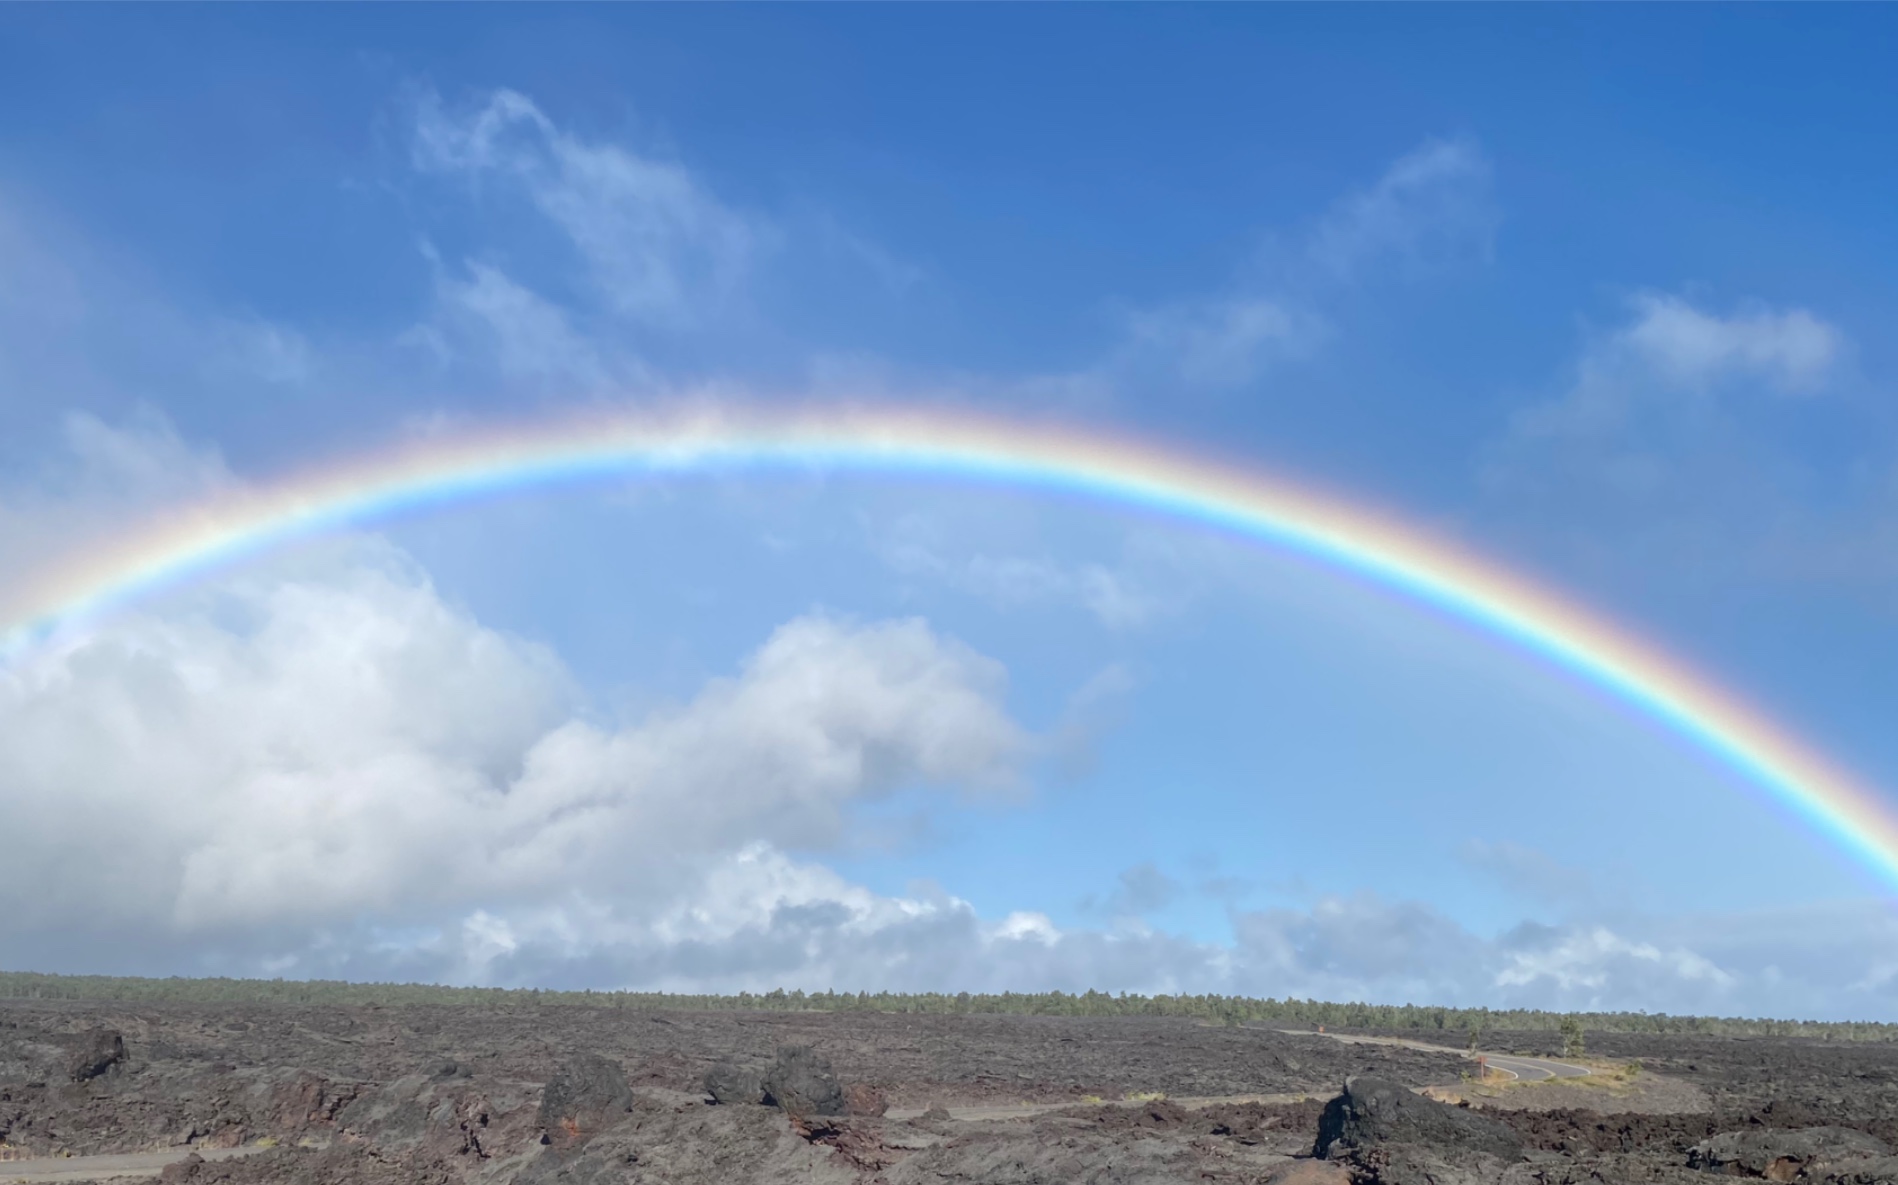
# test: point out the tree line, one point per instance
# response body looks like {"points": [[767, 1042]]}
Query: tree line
{"points": [[1213, 1008]]}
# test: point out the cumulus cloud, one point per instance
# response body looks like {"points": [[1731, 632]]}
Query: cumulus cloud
{"points": [[798, 924], [323, 768], [288, 754], [1830, 960], [1589, 961]]}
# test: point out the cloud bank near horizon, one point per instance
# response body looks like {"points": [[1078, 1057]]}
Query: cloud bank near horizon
{"points": [[320, 767]]}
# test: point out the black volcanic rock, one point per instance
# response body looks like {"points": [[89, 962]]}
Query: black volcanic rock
{"points": [[802, 1083], [98, 1050], [1375, 1111]]}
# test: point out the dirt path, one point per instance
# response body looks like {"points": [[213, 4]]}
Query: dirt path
{"points": [[1527, 1069], [1028, 1110], [104, 1168]]}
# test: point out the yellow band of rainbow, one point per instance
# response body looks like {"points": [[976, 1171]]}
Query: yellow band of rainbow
{"points": [[965, 446]]}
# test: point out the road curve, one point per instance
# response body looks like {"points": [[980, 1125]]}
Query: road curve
{"points": [[1533, 1069], [1526, 1069]]}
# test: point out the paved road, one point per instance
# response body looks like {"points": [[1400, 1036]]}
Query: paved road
{"points": [[1528, 1069], [1534, 1069], [51, 1169]]}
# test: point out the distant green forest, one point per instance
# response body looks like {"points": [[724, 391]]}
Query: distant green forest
{"points": [[1228, 1009]]}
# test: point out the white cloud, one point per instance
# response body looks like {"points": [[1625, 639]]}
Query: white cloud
{"points": [[1819, 961], [1674, 420], [1588, 961], [321, 768], [775, 922], [321, 761], [1219, 343], [1432, 206], [660, 248], [255, 350], [1792, 350], [1017, 581], [1628, 382], [520, 332], [297, 752], [1117, 597]]}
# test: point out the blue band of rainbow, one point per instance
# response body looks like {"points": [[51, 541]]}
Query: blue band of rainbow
{"points": [[964, 446]]}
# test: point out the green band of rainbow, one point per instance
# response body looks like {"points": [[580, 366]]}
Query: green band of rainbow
{"points": [[964, 446]]}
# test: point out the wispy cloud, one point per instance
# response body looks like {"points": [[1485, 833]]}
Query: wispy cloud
{"points": [[1672, 432], [516, 330], [1791, 350], [1219, 343], [1433, 206], [1527, 872], [1668, 349], [1143, 889], [661, 249], [1117, 598]]}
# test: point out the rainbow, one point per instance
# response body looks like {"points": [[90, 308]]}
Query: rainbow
{"points": [[67, 594]]}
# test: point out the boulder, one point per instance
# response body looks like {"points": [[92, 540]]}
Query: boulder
{"points": [[1377, 1111], [585, 1096], [1780, 1154], [801, 1083], [728, 1084], [96, 1052]]}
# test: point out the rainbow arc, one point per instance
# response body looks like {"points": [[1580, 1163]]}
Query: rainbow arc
{"points": [[968, 447]]}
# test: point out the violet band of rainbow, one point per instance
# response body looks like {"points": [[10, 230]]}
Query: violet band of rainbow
{"points": [[964, 446]]}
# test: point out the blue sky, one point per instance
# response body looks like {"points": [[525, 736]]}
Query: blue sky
{"points": [[1600, 291]]}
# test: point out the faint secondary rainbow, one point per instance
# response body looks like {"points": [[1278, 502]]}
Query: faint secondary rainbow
{"points": [[962, 446]]}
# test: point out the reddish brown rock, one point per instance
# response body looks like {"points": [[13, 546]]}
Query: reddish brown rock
{"points": [[864, 1100]]}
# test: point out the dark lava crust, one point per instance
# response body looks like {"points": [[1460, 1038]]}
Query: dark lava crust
{"points": [[456, 1094]]}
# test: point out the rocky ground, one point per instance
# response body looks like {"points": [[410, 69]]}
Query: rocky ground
{"points": [[566, 1094]]}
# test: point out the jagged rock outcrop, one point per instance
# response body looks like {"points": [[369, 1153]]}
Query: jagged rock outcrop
{"points": [[584, 1097], [1777, 1154], [729, 1084]]}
